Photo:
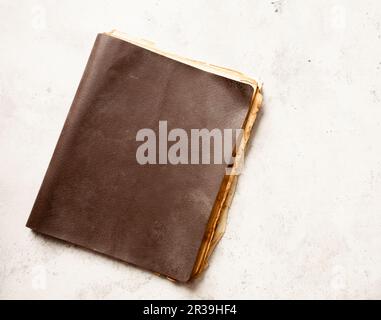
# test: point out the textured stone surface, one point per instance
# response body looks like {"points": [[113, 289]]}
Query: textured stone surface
{"points": [[306, 219]]}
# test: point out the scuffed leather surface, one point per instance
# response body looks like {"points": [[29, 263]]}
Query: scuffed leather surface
{"points": [[96, 195]]}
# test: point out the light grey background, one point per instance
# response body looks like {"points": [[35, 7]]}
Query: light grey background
{"points": [[306, 218]]}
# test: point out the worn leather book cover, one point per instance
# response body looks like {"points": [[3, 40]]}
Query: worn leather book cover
{"points": [[160, 216]]}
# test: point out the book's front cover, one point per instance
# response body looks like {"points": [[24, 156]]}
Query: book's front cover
{"points": [[97, 195]]}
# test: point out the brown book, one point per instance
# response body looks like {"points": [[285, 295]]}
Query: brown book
{"points": [[163, 211]]}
